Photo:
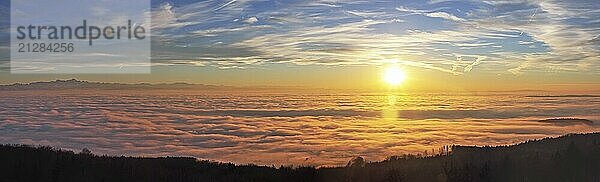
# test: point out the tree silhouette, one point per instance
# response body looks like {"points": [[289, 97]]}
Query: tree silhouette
{"points": [[567, 158]]}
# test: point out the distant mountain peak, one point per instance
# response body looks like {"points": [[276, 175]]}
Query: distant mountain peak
{"points": [[72, 80], [82, 84], [568, 121]]}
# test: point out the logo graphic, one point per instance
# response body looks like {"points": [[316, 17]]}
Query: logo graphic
{"points": [[75, 36]]}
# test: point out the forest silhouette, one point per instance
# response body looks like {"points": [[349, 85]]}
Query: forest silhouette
{"points": [[574, 157]]}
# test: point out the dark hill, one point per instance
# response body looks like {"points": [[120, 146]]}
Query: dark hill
{"points": [[573, 157]]}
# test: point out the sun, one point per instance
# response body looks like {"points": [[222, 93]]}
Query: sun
{"points": [[394, 76]]}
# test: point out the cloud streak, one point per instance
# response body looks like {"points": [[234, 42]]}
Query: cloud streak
{"points": [[554, 36], [351, 33]]}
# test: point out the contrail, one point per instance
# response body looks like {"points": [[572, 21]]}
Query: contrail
{"points": [[225, 5], [530, 18]]}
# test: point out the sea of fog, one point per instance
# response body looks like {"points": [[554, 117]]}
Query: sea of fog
{"points": [[292, 128]]}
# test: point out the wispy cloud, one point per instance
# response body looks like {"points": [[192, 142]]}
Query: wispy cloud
{"points": [[554, 35], [526, 36], [444, 15]]}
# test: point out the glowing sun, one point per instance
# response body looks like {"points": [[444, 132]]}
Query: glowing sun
{"points": [[394, 76]]}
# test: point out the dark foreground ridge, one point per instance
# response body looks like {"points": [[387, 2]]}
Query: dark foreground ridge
{"points": [[574, 157]]}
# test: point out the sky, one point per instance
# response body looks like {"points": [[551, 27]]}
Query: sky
{"points": [[441, 45]]}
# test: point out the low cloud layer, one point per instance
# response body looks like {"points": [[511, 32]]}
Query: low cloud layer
{"points": [[281, 128]]}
